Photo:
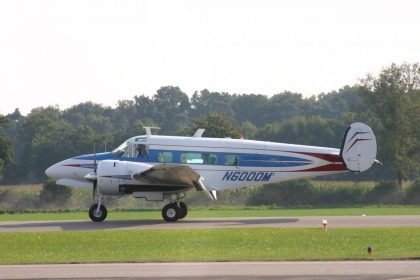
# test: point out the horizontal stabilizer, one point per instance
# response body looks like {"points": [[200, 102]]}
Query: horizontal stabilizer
{"points": [[358, 150]]}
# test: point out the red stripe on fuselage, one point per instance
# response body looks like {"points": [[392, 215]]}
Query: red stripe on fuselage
{"points": [[335, 160], [327, 157], [73, 165], [357, 140], [329, 167]]}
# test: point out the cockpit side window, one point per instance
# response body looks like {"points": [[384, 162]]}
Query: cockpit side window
{"points": [[142, 151]]}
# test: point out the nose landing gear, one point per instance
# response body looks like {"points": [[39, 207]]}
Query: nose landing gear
{"points": [[97, 211]]}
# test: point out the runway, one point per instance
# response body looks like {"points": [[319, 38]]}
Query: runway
{"points": [[407, 270], [285, 222]]}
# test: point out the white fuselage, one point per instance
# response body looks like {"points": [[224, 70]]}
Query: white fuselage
{"points": [[223, 163]]}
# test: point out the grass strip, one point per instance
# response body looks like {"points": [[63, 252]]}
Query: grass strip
{"points": [[178, 245], [222, 212]]}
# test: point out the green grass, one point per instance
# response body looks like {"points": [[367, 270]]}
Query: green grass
{"points": [[257, 244], [221, 212]]}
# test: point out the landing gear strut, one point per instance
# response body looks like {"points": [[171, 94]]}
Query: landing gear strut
{"points": [[97, 211], [174, 211]]}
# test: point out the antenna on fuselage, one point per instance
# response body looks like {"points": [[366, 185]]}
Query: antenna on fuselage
{"points": [[149, 129], [199, 133]]}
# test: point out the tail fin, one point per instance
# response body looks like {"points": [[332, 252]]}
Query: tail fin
{"points": [[358, 150]]}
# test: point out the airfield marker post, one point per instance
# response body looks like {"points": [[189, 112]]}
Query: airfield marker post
{"points": [[325, 224], [370, 250]]}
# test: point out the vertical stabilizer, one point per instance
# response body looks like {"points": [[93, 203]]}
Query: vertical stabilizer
{"points": [[358, 150]]}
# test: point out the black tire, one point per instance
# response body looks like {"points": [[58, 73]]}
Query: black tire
{"points": [[183, 210], [170, 212], [97, 216]]}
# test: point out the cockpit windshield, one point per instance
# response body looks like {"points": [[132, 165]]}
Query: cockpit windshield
{"points": [[118, 152], [130, 150]]}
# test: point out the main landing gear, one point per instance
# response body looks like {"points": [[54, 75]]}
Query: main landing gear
{"points": [[171, 212], [174, 211]]}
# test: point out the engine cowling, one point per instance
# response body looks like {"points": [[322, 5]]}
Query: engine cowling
{"points": [[113, 173]]}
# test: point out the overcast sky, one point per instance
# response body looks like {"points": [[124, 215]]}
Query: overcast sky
{"points": [[66, 52]]}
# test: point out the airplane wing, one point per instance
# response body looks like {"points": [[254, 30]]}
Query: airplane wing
{"points": [[166, 177]]}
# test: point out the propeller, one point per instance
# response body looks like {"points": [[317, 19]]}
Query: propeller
{"points": [[93, 176], [95, 183]]}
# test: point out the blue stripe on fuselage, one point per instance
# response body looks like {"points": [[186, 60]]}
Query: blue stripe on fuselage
{"points": [[100, 156], [245, 159]]}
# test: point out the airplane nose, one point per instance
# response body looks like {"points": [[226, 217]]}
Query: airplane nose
{"points": [[52, 171]]}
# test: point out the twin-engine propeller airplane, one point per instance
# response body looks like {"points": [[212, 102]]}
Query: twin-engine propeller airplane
{"points": [[158, 167]]}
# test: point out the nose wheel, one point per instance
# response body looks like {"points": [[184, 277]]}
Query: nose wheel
{"points": [[174, 211], [97, 215], [97, 211]]}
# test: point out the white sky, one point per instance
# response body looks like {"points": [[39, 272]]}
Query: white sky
{"points": [[66, 52]]}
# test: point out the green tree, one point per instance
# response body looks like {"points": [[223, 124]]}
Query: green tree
{"points": [[216, 125], [207, 102], [248, 130], [53, 193], [172, 108], [251, 108], [6, 146], [312, 130], [394, 98]]}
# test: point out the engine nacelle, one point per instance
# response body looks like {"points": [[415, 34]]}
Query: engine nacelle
{"points": [[113, 173]]}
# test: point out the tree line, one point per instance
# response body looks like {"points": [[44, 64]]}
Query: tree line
{"points": [[389, 103]]}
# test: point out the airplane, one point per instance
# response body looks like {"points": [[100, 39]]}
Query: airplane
{"points": [[159, 168]]}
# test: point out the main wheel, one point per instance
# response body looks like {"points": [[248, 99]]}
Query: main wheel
{"points": [[183, 210], [97, 215], [170, 212]]}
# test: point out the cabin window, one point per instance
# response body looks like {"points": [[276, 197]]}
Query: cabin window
{"points": [[231, 159], [210, 158], [165, 157], [198, 158]]}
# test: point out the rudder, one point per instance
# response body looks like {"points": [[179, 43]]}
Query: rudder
{"points": [[358, 150]]}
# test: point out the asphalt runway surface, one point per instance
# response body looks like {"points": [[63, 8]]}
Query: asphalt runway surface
{"points": [[407, 270], [285, 222]]}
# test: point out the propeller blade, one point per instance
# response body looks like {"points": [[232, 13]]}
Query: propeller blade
{"points": [[94, 157], [95, 187], [95, 183]]}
